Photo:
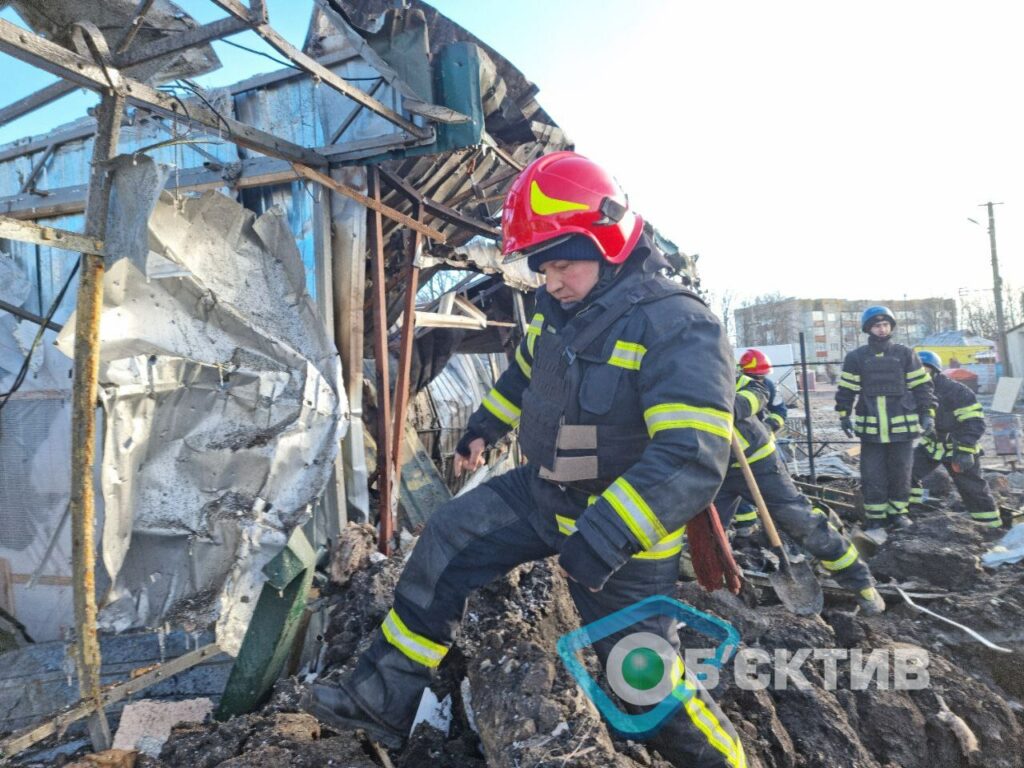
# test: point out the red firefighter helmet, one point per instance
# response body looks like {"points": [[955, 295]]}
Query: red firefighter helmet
{"points": [[755, 362], [564, 194]]}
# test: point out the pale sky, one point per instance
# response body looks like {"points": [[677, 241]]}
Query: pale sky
{"points": [[810, 148]]}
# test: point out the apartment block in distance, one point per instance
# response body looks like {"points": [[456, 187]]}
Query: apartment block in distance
{"points": [[832, 326]]}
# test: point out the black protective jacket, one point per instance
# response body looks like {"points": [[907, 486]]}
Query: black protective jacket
{"points": [[641, 417], [891, 389], [959, 420]]}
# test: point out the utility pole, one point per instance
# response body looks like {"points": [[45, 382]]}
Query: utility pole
{"points": [[997, 289]]}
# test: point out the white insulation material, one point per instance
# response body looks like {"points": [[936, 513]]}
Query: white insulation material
{"points": [[223, 412]]}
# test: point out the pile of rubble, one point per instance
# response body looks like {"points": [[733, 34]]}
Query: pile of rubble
{"points": [[512, 703]]}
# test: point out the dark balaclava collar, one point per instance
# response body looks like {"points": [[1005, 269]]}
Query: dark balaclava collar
{"points": [[879, 344]]}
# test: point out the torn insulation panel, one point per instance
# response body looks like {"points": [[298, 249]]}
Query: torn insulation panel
{"points": [[223, 411]]}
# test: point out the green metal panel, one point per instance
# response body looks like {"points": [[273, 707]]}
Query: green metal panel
{"points": [[271, 633], [456, 86]]}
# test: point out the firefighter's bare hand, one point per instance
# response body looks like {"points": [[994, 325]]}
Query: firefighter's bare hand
{"points": [[474, 460]]}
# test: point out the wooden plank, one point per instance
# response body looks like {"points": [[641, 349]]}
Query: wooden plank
{"points": [[135, 25], [385, 467], [21, 741], [317, 69], [440, 210], [84, 389], [6, 587], [34, 101], [179, 41], [373, 204], [59, 61], [28, 232]]}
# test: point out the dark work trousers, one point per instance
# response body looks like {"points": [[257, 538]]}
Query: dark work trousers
{"points": [[971, 485], [793, 513], [482, 535], [885, 479]]}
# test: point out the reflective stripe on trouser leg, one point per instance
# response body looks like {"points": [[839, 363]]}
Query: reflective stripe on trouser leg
{"points": [[899, 462], [917, 495], [699, 735], [976, 496], [793, 513], [466, 543], [745, 515], [874, 480], [899, 507]]}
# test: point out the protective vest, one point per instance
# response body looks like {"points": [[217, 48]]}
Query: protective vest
{"points": [[882, 375], [887, 390], [557, 430]]}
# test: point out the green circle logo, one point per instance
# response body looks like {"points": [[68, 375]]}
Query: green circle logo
{"points": [[643, 668]]}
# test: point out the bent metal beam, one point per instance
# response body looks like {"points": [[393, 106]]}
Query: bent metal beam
{"points": [[57, 60]]}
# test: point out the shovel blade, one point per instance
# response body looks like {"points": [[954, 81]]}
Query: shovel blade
{"points": [[798, 589]]}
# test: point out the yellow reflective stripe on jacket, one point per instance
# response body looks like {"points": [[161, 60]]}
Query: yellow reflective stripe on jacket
{"points": [[750, 397], [635, 513], [627, 355], [917, 378], [883, 418], [849, 380], [667, 547], [533, 330], [764, 451], [706, 722], [524, 366], [849, 558], [974, 411], [683, 416], [502, 408], [417, 647]]}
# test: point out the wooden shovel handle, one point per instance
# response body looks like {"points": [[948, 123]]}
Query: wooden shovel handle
{"points": [[762, 508]]}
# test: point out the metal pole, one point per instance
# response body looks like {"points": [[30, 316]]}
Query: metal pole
{"points": [[405, 356], [807, 407], [997, 289], [385, 468], [83, 417]]}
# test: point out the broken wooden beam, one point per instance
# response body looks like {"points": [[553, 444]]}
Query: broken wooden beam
{"points": [[29, 232], [84, 392], [318, 70], [373, 203], [385, 469], [19, 742], [49, 56], [440, 210]]}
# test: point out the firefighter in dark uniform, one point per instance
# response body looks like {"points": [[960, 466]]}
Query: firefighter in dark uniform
{"points": [[627, 438], [894, 404], [959, 425], [789, 508], [755, 364]]}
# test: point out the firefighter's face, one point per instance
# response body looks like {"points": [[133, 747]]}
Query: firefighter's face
{"points": [[881, 328], [570, 281]]}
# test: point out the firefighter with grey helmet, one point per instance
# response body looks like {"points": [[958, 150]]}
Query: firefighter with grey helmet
{"points": [[885, 397], [626, 441], [959, 425]]}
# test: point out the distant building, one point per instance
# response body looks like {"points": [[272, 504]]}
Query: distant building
{"points": [[832, 326]]}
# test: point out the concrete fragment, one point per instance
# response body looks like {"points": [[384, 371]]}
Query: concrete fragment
{"points": [[145, 725]]}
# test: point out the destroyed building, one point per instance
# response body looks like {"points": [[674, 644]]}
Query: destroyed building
{"points": [[261, 249]]}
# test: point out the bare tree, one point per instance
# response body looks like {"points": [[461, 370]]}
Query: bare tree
{"points": [[768, 319], [721, 303]]}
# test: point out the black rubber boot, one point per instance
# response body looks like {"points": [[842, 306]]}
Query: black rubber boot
{"points": [[339, 708]]}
